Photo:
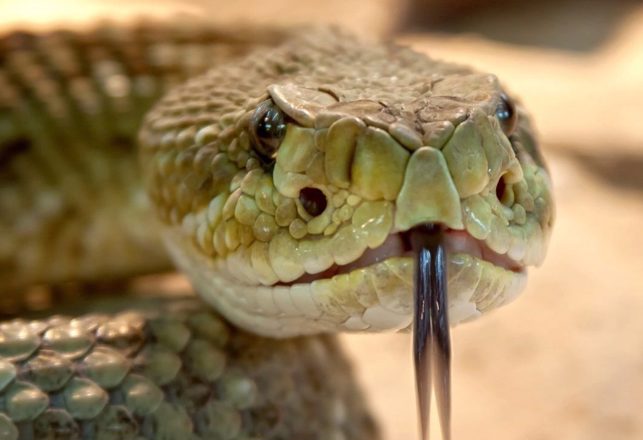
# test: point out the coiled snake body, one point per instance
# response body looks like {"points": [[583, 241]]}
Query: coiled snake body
{"points": [[283, 184]]}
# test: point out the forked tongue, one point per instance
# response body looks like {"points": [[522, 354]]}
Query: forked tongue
{"points": [[431, 339]]}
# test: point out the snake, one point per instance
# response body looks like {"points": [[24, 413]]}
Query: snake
{"points": [[283, 172]]}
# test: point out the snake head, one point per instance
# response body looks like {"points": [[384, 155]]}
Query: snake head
{"points": [[288, 183]]}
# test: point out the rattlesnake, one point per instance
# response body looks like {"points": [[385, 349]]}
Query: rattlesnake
{"points": [[283, 183]]}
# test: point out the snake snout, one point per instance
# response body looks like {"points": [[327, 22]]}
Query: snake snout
{"points": [[298, 203]]}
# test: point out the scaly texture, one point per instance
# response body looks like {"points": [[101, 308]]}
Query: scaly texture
{"points": [[72, 209], [285, 182], [168, 369], [71, 203], [389, 139]]}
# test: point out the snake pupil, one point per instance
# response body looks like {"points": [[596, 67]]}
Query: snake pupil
{"points": [[267, 129], [507, 115], [313, 200]]}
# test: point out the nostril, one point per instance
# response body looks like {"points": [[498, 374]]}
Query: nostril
{"points": [[313, 201], [501, 189]]}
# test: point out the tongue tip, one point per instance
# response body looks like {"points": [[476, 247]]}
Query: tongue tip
{"points": [[431, 339]]}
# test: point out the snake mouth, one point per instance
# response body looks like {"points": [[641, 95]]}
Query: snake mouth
{"points": [[398, 245]]}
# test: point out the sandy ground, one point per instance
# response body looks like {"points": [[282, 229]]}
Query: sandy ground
{"points": [[565, 361]]}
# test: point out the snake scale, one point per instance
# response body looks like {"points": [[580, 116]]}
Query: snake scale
{"points": [[283, 182]]}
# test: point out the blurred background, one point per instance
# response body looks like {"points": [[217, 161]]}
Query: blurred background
{"points": [[565, 361]]}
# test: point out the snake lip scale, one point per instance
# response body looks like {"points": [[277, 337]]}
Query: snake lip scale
{"points": [[397, 245], [459, 241]]}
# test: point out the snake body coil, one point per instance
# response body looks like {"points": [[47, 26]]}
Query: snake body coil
{"points": [[163, 368], [284, 184]]}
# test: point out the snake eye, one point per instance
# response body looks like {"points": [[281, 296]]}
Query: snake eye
{"points": [[267, 130], [506, 114], [313, 201]]}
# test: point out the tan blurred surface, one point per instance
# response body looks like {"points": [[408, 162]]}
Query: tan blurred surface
{"points": [[367, 18], [565, 361]]}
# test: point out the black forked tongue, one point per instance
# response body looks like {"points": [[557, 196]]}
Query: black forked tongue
{"points": [[431, 339]]}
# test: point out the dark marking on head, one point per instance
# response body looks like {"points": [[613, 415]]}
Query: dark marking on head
{"points": [[501, 188], [313, 201]]}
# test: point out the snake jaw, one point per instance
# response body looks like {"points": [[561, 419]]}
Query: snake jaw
{"points": [[461, 242], [397, 245], [350, 266], [395, 141]]}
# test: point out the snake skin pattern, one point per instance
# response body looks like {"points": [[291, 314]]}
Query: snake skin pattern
{"points": [[168, 369], [73, 211], [302, 235], [71, 199]]}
